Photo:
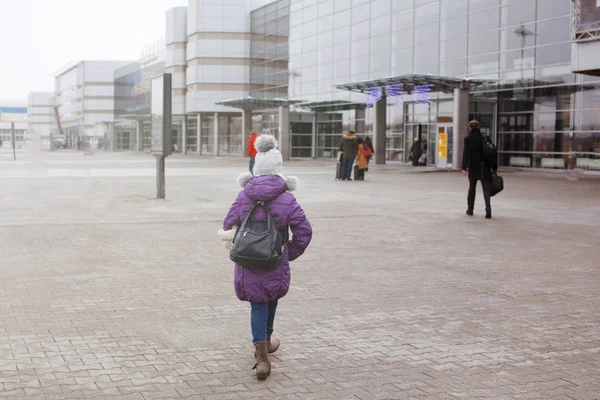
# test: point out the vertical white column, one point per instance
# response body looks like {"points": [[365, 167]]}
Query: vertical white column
{"points": [[216, 134], [184, 136], [113, 137], [313, 146], [284, 132], [359, 121], [246, 129], [138, 136], [199, 135]]}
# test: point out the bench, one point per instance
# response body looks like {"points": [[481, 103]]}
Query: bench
{"points": [[520, 162]]}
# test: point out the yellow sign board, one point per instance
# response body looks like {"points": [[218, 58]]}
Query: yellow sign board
{"points": [[442, 146]]}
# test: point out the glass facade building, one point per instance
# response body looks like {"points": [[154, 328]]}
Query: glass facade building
{"points": [[541, 114]]}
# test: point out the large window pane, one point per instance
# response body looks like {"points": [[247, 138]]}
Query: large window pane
{"points": [[456, 68], [484, 20], [402, 39], [554, 31], [207, 135], [403, 20], [553, 8], [454, 48], [399, 5], [402, 61], [517, 59], [454, 27], [343, 18], [483, 65], [518, 13], [379, 8], [477, 5], [381, 26], [424, 55], [454, 8], [427, 34], [487, 42], [555, 54], [192, 134], [427, 14], [518, 37]]}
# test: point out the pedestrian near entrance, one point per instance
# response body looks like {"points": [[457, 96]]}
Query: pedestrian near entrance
{"points": [[264, 287], [252, 149], [369, 150], [349, 147], [477, 168], [361, 160], [415, 152]]}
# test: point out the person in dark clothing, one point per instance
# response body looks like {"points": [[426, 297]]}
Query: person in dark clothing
{"points": [[348, 146], [415, 152], [477, 168]]}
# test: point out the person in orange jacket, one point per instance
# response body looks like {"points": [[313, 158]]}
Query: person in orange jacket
{"points": [[252, 150]]}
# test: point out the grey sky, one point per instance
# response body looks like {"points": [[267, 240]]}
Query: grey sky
{"points": [[40, 36]]}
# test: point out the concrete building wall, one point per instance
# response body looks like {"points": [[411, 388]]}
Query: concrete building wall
{"points": [[40, 116], [85, 95], [175, 57], [218, 52], [10, 115]]}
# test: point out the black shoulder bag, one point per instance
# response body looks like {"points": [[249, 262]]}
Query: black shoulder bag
{"points": [[258, 245]]}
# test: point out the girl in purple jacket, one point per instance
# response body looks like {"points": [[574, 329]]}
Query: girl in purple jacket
{"points": [[263, 288]]}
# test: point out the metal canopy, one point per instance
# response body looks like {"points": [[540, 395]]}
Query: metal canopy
{"points": [[538, 86], [409, 82], [136, 117], [251, 103], [331, 105]]}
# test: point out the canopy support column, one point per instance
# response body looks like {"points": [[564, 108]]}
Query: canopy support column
{"points": [[246, 129], [284, 132], [379, 130], [461, 122]]}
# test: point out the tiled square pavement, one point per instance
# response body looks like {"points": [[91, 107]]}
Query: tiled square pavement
{"points": [[108, 294]]}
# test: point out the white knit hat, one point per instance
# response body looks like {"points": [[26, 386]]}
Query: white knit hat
{"points": [[268, 162], [268, 159]]}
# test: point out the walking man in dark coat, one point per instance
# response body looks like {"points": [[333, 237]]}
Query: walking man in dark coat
{"points": [[477, 168], [348, 147]]}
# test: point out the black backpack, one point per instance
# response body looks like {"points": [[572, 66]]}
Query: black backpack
{"points": [[490, 151], [258, 245]]}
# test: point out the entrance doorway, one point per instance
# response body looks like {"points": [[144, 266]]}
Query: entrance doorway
{"points": [[484, 111], [426, 135]]}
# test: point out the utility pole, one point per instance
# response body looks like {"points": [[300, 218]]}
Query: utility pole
{"points": [[13, 140]]}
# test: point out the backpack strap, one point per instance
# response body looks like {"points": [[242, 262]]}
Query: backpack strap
{"points": [[270, 220]]}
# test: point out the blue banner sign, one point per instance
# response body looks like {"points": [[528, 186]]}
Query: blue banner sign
{"points": [[397, 94]]}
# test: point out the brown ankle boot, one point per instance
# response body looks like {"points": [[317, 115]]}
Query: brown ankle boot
{"points": [[273, 343], [263, 364]]}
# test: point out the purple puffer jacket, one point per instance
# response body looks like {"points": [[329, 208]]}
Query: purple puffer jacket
{"points": [[269, 285]]}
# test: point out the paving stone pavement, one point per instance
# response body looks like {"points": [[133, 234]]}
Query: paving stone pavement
{"points": [[108, 294]]}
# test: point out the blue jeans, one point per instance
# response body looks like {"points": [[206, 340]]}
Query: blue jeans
{"points": [[252, 161], [262, 318], [347, 169]]}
